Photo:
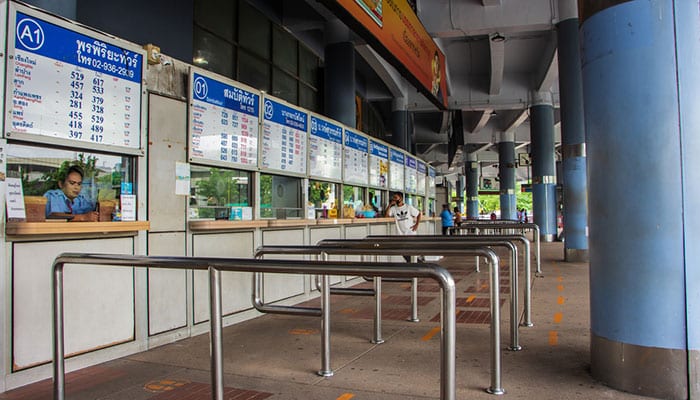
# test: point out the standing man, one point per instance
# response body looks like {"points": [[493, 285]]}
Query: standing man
{"points": [[447, 221], [406, 216]]}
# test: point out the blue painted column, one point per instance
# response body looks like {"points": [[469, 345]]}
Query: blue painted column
{"points": [[641, 80], [544, 176], [339, 74], [471, 170], [506, 173], [573, 135]]}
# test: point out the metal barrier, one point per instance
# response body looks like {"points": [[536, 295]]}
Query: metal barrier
{"points": [[216, 265], [432, 241], [441, 249], [488, 239], [508, 225]]}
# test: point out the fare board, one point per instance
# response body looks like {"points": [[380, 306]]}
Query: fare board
{"points": [[355, 168], [431, 182], [325, 149], [396, 170], [410, 179], [283, 143], [378, 164], [420, 178], [69, 85], [223, 124]]}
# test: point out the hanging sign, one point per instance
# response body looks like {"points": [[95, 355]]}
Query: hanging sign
{"points": [[283, 137], [396, 170], [325, 149], [378, 164], [410, 178], [356, 152]]}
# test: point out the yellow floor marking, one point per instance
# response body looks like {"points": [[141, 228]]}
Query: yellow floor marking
{"points": [[303, 331], [348, 311], [560, 300], [560, 288], [470, 299], [430, 334], [346, 396], [560, 279], [553, 338], [163, 385], [484, 286], [557, 317]]}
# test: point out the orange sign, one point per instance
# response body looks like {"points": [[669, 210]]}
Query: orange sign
{"points": [[393, 29]]}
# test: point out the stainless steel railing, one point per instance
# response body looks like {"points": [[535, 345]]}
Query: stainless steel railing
{"points": [[216, 265], [364, 246], [495, 225]]}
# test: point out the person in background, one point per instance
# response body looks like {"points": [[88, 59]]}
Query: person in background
{"points": [[446, 217], [493, 216], [406, 216], [68, 200], [458, 216]]}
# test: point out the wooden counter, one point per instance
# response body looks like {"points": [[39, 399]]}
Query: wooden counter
{"points": [[226, 225], [67, 228]]}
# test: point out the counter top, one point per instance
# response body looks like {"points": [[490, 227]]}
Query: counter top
{"points": [[62, 228], [226, 225]]}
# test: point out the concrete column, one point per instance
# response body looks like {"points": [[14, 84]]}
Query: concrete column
{"points": [[400, 125], [641, 81], [471, 170], [506, 172], [339, 72], [573, 135], [544, 176]]}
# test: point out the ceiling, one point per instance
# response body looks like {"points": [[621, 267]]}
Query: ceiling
{"points": [[499, 53]]}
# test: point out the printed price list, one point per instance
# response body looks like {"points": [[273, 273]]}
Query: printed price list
{"points": [[325, 149], [378, 164], [396, 170], [355, 161], [284, 138]]}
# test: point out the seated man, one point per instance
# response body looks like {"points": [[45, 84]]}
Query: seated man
{"points": [[68, 200]]}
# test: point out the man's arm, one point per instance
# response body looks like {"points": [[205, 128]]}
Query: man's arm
{"points": [[415, 227]]}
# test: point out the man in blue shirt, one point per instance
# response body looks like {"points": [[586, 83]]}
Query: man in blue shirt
{"points": [[68, 200], [446, 217]]}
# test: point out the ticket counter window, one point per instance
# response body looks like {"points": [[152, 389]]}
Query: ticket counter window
{"points": [[377, 201], [218, 193], [280, 197], [431, 207], [104, 176], [420, 201], [353, 201], [323, 197], [411, 199]]}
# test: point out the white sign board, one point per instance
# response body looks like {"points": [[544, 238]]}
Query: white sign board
{"points": [[284, 137], [396, 170], [410, 179], [355, 168], [325, 149], [420, 178], [378, 164]]}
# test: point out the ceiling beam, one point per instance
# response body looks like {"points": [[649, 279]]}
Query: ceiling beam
{"points": [[482, 120], [388, 74], [516, 122]]}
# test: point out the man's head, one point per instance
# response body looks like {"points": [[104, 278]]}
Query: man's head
{"points": [[397, 198], [445, 207], [72, 183]]}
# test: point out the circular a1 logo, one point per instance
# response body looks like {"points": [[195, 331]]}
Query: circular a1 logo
{"points": [[30, 34], [314, 125], [269, 109], [200, 88]]}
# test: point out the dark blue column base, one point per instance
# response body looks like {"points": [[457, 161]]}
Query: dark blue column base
{"points": [[576, 255], [647, 371]]}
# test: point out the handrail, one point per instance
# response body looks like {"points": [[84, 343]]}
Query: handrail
{"points": [[216, 265], [509, 225], [471, 239], [361, 246], [433, 241]]}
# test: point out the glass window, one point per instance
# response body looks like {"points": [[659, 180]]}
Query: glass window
{"points": [[308, 66], [280, 197], [353, 201], [308, 98], [212, 53], [41, 168], [377, 199], [217, 16], [323, 196], [284, 51], [284, 86], [220, 193], [253, 72], [254, 31]]}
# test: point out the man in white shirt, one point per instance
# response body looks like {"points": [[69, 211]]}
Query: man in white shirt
{"points": [[406, 216]]}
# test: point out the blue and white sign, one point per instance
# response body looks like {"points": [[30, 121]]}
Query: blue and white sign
{"points": [[431, 182], [410, 178], [378, 164], [284, 137], [396, 170], [325, 149], [224, 120], [355, 167], [72, 86], [420, 168]]}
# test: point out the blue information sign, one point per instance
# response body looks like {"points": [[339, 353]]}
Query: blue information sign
{"points": [[325, 149], [284, 137]]}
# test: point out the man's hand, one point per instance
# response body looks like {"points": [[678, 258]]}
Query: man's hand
{"points": [[414, 227]]}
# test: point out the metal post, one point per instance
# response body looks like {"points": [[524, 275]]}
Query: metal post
{"points": [[325, 324], [59, 367], [447, 340], [514, 320], [495, 306], [216, 334], [377, 311], [414, 296]]}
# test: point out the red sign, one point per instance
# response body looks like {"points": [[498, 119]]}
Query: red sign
{"points": [[393, 29]]}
